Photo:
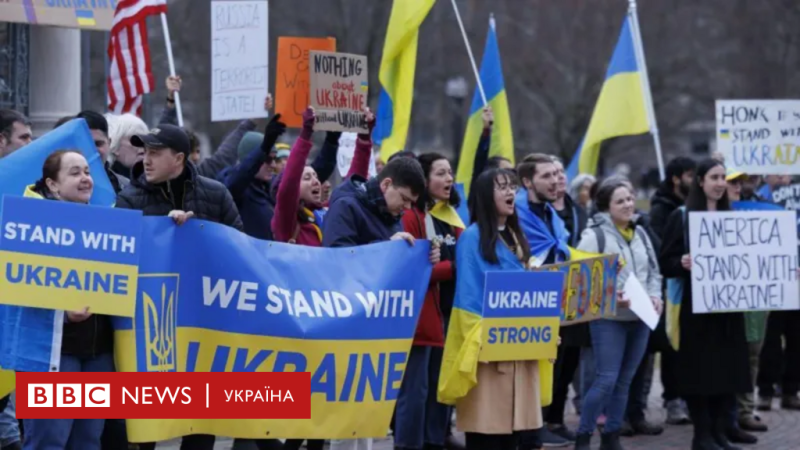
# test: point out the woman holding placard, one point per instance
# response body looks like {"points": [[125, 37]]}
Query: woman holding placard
{"points": [[496, 401], [87, 339], [712, 355], [620, 342]]}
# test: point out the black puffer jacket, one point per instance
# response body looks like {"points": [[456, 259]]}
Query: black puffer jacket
{"points": [[206, 198]]}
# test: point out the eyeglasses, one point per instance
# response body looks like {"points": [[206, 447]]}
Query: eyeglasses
{"points": [[506, 187]]}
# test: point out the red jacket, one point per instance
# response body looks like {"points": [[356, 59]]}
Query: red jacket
{"points": [[430, 327], [285, 225]]}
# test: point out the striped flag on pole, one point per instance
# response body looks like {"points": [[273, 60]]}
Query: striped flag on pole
{"points": [[130, 74]]}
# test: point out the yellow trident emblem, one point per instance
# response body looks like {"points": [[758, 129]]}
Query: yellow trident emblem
{"points": [[160, 330]]}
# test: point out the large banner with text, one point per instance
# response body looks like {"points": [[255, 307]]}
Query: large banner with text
{"points": [[212, 299], [590, 289], [744, 261]]}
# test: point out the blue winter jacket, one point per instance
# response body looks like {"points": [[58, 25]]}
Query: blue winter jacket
{"points": [[353, 219]]}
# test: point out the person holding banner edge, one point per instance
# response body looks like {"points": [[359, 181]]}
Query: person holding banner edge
{"points": [[421, 422], [87, 342], [297, 195], [166, 183], [619, 343], [708, 384]]}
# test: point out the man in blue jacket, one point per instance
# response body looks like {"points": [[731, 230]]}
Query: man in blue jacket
{"points": [[364, 212]]}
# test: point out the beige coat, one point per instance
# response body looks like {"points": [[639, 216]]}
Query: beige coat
{"points": [[506, 399]]}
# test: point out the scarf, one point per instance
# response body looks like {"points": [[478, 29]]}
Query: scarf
{"points": [[538, 233], [447, 214]]}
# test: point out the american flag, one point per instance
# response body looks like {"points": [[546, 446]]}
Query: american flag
{"points": [[130, 75]]}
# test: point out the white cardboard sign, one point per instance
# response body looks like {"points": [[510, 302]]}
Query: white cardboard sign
{"points": [[347, 149], [744, 261], [239, 59], [760, 137]]}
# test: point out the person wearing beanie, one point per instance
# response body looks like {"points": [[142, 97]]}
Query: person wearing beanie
{"points": [[249, 181]]}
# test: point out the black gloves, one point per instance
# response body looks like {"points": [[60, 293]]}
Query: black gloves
{"points": [[274, 129]]}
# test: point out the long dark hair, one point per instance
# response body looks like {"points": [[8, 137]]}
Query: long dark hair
{"points": [[697, 200], [485, 215], [425, 201]]}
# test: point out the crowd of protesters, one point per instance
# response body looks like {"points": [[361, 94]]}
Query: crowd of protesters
{"points": [[268, 190]]}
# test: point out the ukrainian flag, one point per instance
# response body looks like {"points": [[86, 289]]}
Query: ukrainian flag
{"points": [[85, 17], [620, 110], [398, 65], [502, 138]]}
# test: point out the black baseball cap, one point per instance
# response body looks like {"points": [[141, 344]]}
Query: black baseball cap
{"points": [[164, 136]]}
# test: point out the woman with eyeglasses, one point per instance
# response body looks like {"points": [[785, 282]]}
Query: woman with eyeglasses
{"points": [[502, 400]]}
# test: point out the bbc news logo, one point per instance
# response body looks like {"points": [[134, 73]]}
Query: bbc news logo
{"points": [[163, 395], [69, 395]]}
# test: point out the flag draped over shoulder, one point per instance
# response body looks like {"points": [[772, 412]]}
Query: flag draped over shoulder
{"points": [[620, 109], [130, 75], [396, 75], [491, 76]]}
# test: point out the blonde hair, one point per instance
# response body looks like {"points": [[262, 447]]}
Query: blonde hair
{"points": [[122, 127]]}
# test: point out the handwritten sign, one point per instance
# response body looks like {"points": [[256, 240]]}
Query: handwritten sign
{"points": [[67, 256], [339, 91], [743, 261], [291, 80], [347, 149], [239, 59], [521, 315], [787, 196], [590, 289], [760, 137]]}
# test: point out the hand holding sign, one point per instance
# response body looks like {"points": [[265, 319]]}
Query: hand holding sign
{"points": [[622, 300], [80, 316], [686, 261], [436, 253], [403, 236], [370, 118], [180, 217]]}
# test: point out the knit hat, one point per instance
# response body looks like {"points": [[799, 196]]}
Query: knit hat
{"points": [[283, 150], [250, 141]]}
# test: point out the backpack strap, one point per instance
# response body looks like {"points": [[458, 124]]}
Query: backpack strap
{"points": [[601, 238]]}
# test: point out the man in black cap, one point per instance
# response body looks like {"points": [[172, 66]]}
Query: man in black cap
{"points": [[166, 183]]}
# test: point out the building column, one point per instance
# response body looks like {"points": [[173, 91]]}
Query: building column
{"points": [[55, 75]]}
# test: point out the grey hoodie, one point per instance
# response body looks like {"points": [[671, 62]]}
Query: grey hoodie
{"points": [[639, 257]]}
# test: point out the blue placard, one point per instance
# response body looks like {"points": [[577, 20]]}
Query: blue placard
{"points": [[70, 230], [523, 294]]}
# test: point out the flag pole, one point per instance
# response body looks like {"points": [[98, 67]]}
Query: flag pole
{"points": [[171, 61], [469, 52], [648, 95]]}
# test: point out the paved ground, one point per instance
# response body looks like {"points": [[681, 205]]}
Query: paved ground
{"points": [[784, 432]]}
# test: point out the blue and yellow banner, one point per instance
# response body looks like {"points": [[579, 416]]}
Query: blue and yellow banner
{"points": [[502, 139], [620, 110], [590, 289], [521, 316], [88, 14], [211, 299], [67, 256]]}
